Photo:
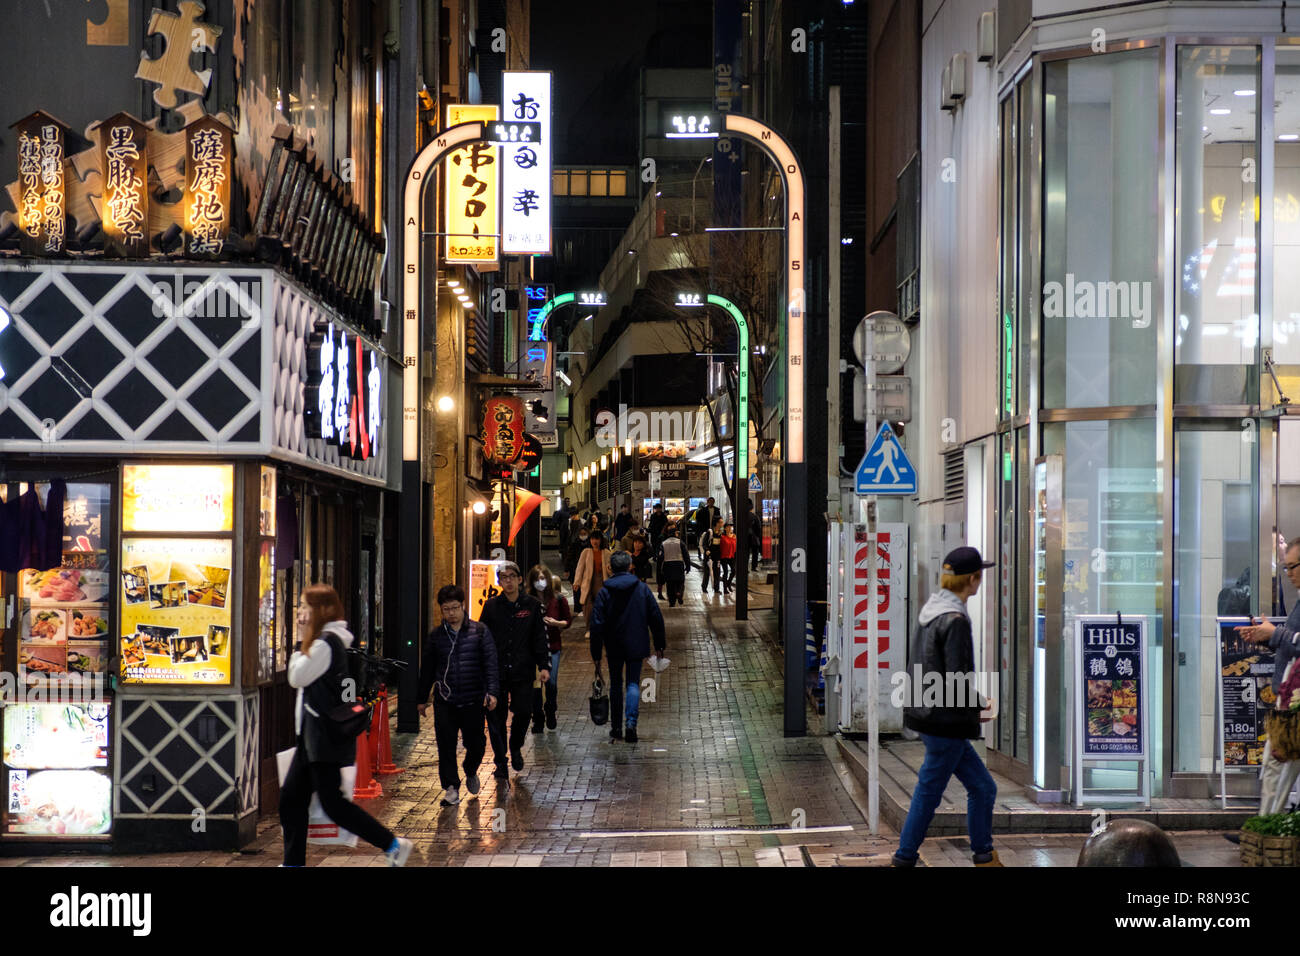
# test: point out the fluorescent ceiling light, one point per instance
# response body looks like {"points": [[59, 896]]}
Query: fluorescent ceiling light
{"points": [[1243, 92], [1220, 112]]}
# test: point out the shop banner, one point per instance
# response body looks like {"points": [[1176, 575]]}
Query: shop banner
{"points": [[503, 429], [1245, 693], [1110, 668], [178, 497], [472, 206], [176, 611], [482, 585], [526, 164], [890, 608]]}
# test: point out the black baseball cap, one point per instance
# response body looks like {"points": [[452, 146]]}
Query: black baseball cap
{"points": [[964, 561]]}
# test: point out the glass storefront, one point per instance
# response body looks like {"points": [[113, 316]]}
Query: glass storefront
{"points": [[1149, 265]]}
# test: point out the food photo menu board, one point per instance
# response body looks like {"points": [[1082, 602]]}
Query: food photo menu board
{"points": [[175, 611], [1245, 693], [175, 590], [63, 612]]}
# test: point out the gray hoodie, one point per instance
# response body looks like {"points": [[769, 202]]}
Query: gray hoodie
{"points": [[942, 602]]}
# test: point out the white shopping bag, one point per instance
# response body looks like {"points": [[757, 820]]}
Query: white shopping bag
{"points": [[321, 829], [659, 664]]}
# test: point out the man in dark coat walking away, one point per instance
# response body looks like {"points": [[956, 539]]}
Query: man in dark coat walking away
{"points": [[625, 617], [514, 619], [942, 648], [459, 664]]}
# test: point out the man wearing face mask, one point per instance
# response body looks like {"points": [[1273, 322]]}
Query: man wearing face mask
{"points": [[515, 622]]}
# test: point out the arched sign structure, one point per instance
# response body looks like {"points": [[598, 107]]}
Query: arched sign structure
{"points": [[794, 480]]}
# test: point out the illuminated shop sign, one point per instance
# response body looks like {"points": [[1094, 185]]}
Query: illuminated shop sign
{"points": [[42, 194], [343, 401], [171, 497], [124, 159], [538, 296], [526, 166], [503, 429], [472, 208], [209, 149]]}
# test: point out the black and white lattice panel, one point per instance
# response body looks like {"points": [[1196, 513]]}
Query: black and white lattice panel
{"points": [[176, 756], [248, 762], [109, 358], [297, 316]]}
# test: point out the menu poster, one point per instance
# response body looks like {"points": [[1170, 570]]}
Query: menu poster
{"points": [[178, 497], [175, 611], [266, 502], [56, 736], [60, 802], [266, 612], [1111, 658], [63, 612], [1245, 693]]}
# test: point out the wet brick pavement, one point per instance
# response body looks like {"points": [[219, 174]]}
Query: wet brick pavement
{"points": [[712, 761]]}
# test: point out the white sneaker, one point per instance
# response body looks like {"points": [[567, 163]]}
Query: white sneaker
{"points": [[397, 855], [451, 796]]}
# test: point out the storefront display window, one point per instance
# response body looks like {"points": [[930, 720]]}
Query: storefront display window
{"points": [[1101, 293], [63, 612], [1112, 533], [1217, 199], [1286, 214], [1216, 550]]}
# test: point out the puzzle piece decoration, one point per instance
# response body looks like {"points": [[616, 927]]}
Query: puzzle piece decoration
{"points": [[172, 71], [116, 28]]}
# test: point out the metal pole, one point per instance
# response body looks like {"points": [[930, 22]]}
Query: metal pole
{"points": [[873, 604]]}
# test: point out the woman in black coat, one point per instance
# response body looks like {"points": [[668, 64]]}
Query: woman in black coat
{"points": [[318, 670]]}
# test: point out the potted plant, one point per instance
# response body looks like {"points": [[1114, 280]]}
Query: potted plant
{"points": [[1271, 840]]}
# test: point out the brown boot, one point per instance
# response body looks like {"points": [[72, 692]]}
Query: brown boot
{"points": [[992, 859]]}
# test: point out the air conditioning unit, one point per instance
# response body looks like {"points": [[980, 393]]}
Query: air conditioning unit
{"points": [[986, 47], [946, 101], [958, 74]]}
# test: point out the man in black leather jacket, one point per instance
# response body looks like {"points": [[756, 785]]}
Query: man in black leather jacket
{"points": [[945, 711], [459, 664], [514, 620]]}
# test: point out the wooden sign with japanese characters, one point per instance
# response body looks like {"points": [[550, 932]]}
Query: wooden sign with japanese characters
{"points": [[209, 150], [124, 159], [42, 191]]}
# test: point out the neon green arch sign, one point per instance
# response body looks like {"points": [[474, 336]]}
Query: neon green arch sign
{"points": [[742, 369]]}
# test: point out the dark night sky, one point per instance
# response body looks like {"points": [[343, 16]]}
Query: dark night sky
{"points": [[583, 41]]}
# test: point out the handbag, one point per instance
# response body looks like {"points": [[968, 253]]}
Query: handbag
{"points": [[599, 703], [321, 830], [348, 720]]}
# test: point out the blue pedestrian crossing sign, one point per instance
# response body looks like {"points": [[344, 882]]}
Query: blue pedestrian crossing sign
{"points": [[884, 469], [754, 483]]}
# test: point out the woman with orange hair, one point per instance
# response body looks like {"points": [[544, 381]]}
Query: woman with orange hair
{"points": [[318, 670]]}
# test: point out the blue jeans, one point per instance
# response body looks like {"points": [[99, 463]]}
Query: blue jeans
{"points": [[550, 689], [944, 757], [617, 681]]}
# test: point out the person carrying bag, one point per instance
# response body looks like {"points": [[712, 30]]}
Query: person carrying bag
{"points": [[324, 722]]}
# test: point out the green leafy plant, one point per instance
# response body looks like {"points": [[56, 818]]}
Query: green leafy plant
{"points": [[1274, 824]]}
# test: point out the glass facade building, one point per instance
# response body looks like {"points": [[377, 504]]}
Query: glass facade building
{"points": [[1149, 324]]}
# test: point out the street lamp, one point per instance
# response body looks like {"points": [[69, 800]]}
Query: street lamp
{"points": [[446, 403]]}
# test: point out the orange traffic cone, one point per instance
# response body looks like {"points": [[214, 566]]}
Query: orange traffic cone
{"points": [[366, 786], [382, 745]]}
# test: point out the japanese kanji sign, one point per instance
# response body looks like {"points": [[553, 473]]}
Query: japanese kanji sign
{"points": [[124, 159], [344, 393], [1111, 659], [526, 167], [208, 156], [472, 207], [503, 429], [42, 194]]}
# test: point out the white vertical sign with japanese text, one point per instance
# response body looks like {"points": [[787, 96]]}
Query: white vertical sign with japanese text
{"points": [[526, 167], [891, 620]]}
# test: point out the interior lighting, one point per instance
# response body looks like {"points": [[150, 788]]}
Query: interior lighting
{"points": [[446, 403], [1243, 92], [479, 507]]}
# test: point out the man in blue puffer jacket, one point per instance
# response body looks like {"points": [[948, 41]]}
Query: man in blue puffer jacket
{"points": [[625, 615], [459, 664]]}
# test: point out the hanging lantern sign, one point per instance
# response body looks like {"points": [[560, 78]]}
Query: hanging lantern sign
{"points": [[209, 150], [42, 193], [124, 159], [503, 429]]}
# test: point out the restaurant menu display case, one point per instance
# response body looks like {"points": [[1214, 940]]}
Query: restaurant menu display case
{"points": [[55, 723], [175, 622]]}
